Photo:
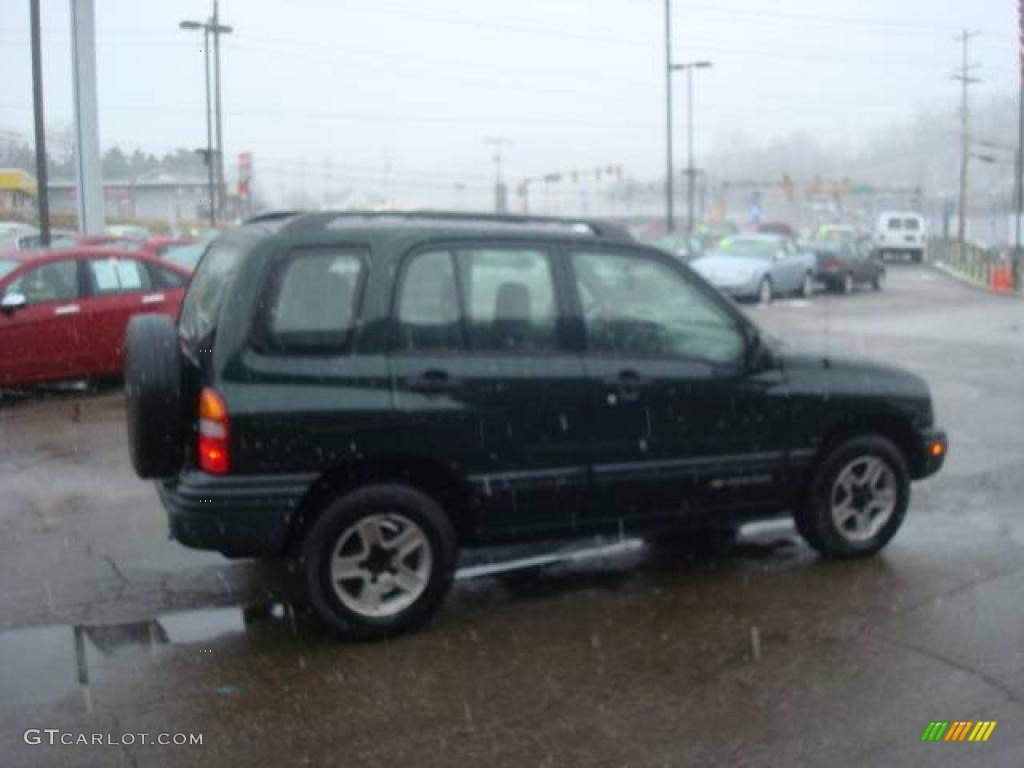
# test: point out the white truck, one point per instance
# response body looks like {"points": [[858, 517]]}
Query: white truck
{"points": [[899, 233]]}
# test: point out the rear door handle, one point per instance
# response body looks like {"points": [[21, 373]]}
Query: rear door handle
{"points": [[433, 382], [629, 384], [67, 309], [153, 298]]}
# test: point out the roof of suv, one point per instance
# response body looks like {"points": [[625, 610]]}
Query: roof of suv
{"points": [[437, 221]]}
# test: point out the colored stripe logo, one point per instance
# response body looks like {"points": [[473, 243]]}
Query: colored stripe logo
{"points": [[958, 730]]}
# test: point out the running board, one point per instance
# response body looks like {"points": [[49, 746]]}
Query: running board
{"points": [[620, 547]]}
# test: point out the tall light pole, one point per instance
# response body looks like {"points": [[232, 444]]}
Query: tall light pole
{"points": [[42, 193], [215, 173], [688, 67], [208, 152], [670, 223]]}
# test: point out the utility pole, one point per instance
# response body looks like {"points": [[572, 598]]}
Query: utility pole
{"points": [[217, 29], [670, 223], [42, 194], [1018, 278], [214, 156], [963, 75], [500, 195]]}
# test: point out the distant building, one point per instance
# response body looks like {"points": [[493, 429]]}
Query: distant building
{"points": [[17, 190], [162, 197]]}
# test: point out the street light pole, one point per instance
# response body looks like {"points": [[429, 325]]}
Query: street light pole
{"points": [[217, 29], [214, 174], [670, 224], [42, 193], [691, 172]]}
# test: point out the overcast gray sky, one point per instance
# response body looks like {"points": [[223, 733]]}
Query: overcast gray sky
{"points": [[415, 86]]}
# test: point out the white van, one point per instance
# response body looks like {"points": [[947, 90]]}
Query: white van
{"points": [[899, 232]]}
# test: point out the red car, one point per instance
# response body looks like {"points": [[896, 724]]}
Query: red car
{"points": [[63, 313]]}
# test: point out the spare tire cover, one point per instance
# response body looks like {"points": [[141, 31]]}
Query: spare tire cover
{"points": [[153, 396]]}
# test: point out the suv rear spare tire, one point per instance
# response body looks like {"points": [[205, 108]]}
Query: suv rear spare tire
{"points": [[379, 561], [153, 396]]}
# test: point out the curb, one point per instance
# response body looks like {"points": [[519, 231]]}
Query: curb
{"points": [[968, 282]]}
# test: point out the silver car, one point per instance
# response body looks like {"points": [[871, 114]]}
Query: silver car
{"points": [[758, 266]]}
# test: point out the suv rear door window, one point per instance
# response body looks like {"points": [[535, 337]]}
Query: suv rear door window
{"points": [[313, 304], [509, 298], [428, 305]]}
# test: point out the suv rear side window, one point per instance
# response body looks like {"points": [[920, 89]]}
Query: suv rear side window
{"points": [[313, 302], [206, 291]]}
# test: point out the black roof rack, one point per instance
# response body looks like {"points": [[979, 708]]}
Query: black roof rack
{"points": [[261, 218], [325, 219]]}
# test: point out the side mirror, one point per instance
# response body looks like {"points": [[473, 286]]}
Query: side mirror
{"points": [[12, 301], [759, 354]]}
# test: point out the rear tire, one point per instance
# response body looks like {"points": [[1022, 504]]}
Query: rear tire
{"points": [[379, 561], [807, 286], [857, 498], [153, 396]]}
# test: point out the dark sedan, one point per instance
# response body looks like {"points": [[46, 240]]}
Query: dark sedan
{"points": [[841, 266]]}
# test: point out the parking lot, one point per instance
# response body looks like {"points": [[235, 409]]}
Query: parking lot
{"points": [[765, 655]]}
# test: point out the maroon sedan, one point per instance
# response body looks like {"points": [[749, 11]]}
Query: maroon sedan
{"points": [[63, 313]]}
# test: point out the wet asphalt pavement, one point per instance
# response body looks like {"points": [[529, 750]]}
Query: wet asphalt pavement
{"points": [[762, 656]]}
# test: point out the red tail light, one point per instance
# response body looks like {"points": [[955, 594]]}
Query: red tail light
{"points": [[213, 433]]}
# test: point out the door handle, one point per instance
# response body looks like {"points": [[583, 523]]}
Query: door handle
{"points": [[629, 384], [433, 382], [67, 309], [153, 298]]}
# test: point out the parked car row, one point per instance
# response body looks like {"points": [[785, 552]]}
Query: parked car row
{"points": [[63, 312], [762, 266]]}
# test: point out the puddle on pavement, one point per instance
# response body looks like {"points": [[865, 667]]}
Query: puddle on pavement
{"points": [[59, 664]]}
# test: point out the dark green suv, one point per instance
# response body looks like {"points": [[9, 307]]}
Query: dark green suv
{"points": [[367, 393]]}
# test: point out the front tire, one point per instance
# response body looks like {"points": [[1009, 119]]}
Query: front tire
{"points": [[857, 498], [379, 561]]}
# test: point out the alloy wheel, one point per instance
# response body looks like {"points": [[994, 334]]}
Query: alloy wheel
{"points": [[863, 498], [380, 565]]}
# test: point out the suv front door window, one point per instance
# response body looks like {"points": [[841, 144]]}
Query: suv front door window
{"points": [[676, 415]]}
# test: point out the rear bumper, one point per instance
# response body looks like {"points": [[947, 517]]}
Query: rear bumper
{"points": [[934, 445], [238, 516]]}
